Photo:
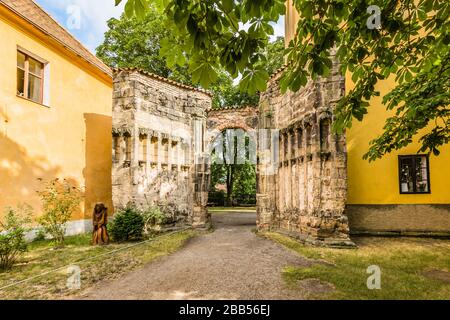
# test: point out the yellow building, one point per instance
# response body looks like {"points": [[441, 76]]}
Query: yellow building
{"points": [[402, 193], [55, 111]]}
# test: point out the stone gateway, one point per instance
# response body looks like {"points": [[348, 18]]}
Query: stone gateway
{"points": [[161, 136]]}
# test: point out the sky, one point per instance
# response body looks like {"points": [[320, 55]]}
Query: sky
{"points": [[87, 19]]}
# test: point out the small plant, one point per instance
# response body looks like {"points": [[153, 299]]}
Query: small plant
{"points": [[12, 235], [40, 235], [59, 201], [128, 224], [153, 218]]}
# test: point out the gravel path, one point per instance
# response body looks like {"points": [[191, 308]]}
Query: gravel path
{"points": [[229, 263]]}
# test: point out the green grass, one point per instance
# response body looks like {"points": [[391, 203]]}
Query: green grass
{"points": [[403, 263], [231, 209], [42, 258]]}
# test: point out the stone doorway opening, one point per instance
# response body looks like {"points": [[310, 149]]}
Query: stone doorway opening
{"points": [[233, 176], [231, 146]]}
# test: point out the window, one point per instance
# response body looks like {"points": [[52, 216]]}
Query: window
{"points": [[324, 134], [308, 137], [187, 154], [165, 151], [143, 148], [30, 75], [154, 149], [292, 149], [128, 147], [285, 146], [299, 139], [174, 152], [414, 174], [116, 148]]}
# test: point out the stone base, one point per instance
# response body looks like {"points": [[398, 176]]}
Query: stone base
{"points": [[340, 243]]}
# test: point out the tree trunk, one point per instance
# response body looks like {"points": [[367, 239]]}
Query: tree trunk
{"points": [[229, 200]]}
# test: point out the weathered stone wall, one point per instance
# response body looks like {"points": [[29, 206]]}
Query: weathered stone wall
{"points": [[158, 146], [245, 118], [303, 191]]}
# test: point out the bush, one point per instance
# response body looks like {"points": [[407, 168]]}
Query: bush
{"points": [[39, 235], [153, 218], [59, 201], [12, 235], [128, 224]]}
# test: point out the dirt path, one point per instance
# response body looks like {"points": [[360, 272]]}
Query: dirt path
{"points": [[229, 263]]}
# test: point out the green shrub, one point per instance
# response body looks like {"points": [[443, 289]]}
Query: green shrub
{"points": [[12, 235], [128, 224], [59, 201], [39, 235], [153, 218]]}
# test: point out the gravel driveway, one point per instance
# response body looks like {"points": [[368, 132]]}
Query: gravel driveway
{"points": [[229, 263]]}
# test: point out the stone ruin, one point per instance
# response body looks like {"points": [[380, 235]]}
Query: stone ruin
{"points": [[158, 146], [302, 169], [163, 130]]}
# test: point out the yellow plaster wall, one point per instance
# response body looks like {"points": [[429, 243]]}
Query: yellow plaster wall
{"points": [[377, 182], [70, 139]]}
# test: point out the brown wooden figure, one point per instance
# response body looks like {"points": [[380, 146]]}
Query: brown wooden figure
{"points": [[100, 219]]}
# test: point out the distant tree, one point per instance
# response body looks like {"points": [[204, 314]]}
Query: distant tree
{"points": [[273, 56], [131, 42], [239, 178]]}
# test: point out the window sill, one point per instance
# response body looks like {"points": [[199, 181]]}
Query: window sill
{"points": [[32, 101], [429, 192]]}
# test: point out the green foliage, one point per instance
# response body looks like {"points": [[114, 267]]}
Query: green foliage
{"points": [[60, 199], [40, 235], [245, 180], [128, 225], [12, 235], [411, 45], [239, 179], [153, 219], [148, 44], [131, 42], [216, 198]]}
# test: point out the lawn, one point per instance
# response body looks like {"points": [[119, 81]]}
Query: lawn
{"points": [[411, 268], [96, 264], [231, 209]]}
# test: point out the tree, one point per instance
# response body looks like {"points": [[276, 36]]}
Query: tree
{"points": [[410, 44], [228, 168], [60, 199], [140, 43], [131, 42]]}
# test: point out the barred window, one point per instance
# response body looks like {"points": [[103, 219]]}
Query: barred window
{"points": [[414, 174]]}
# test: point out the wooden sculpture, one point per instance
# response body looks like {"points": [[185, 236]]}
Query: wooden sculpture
{"points": [[100, 219]]}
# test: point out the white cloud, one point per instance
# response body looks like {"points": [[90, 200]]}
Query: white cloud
{"points": [[94, 17]]}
